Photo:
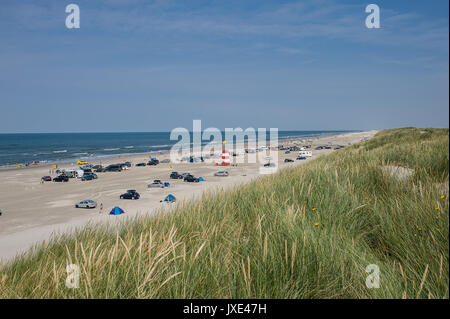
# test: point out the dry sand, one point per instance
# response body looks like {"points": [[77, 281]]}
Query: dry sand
{"points": [[32, 211]]}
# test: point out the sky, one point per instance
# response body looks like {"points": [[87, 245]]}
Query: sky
{"points": [[153, 65]]}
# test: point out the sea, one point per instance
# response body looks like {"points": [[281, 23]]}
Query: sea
{"points": [[66, 147]]}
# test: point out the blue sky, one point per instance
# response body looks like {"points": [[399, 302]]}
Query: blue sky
{"points": [[143, 65]]}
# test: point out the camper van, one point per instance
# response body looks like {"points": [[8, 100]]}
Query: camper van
{"points": [[305, 153], [73, 173]]}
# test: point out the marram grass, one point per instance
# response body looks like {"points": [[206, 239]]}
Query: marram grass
{"points": [[306, 232]]}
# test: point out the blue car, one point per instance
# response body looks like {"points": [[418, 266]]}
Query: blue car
{"points": [[87, 177]]}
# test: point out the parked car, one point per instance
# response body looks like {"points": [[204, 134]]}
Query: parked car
{"points": [[165, 161], [86, 204], [128, 164], [186, 174], [61, 178], [96, 167], [288, 160], [87, 177], [191, 179], [156, 184], [113, 168], [93, 174], [153, 162], [46, 178], [269, 165], [140, 164], [319, 147], [130, 194], [175, 175], [221, 173], [301, 158]]}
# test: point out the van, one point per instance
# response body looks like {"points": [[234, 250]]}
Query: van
{"points": [[305, 153], [113, 168]]}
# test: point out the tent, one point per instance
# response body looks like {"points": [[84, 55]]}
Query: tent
{"points": [[201, 179], [116, 211], [166, 184], [170, 198]]}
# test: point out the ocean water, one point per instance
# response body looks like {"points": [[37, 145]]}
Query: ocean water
{"points": [[65, 147]]}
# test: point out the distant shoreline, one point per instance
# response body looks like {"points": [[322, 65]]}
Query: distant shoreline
{"points": [[164, 149]]}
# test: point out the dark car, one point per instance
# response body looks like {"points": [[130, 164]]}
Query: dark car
{"points": [[113, 168], [46, 178], [175, 175], [319, 147], [141, 164], [127, 164], [130, 194], [288, 160], [87, 177], [327, 147], [191, 179], [61, 178], [96, 167], [301, 158], [153, 162]]}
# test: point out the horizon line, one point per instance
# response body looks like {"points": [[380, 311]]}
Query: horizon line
{"points": [[111, 132]]}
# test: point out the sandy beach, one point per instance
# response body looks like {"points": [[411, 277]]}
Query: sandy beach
{"points": [[32, 211]]}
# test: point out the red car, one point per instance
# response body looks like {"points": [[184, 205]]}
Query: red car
{"points": [[46, 179]]}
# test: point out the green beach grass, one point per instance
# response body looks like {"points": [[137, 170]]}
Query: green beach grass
{"points": [[305, 232]]}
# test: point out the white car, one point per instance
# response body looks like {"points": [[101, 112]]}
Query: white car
{"points": [[86, 204], [221, 173]]}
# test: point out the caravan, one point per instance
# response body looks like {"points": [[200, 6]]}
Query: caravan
{"points": [[305, 153]]}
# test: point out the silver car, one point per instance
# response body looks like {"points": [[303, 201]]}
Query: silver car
{"points": [[221, 173], [86, 204], [156, 185]]}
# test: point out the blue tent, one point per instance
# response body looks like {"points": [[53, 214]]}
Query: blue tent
{"points": [[170, 198], [116, 211], [166, 184], [201, 179]]}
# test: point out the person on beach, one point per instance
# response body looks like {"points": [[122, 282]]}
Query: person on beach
{"points": [[101, 208]]}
